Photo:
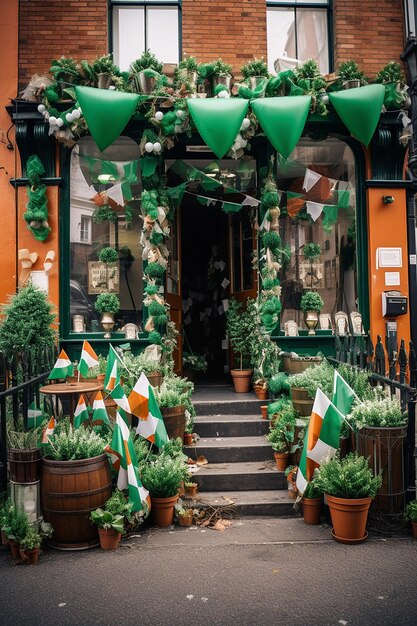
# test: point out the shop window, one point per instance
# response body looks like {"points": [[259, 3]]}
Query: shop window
{"points": [[318, 206], [298, 30], [139, 26], [105, 181]]}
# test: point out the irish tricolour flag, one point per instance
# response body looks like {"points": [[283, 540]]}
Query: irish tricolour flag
{"points": [[112, 374], [123, 458], [88, 359], [35, 415], [99, 410], [62, 368], [81, 412], [321, 440], [48, 431], [343, 394], [143, 404]]}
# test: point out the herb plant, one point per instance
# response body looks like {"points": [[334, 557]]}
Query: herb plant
{"points": [[15, 523], [281, 435], [311, 301], [31, 540], [107, 303], [240, 324], [221, 67], [70, 444], [108, 255], [316, 376], [162, 476], [255, 67], [311, 250], [350, 477], [378, 413], [313, 490], [410, 512], [349, 70], [194, 362], [108, 521], [147, 61]]}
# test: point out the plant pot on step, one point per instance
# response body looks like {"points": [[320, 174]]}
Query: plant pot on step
{"points": [[186, 520], [264, 411], [261, 392], [241, 380], [302, 402], [30, 557], [188, 439], [349, 516], [14, 547], [190, 489], [162, 510], [281, 459], [312, 510], [414, 529], [109, 538]]}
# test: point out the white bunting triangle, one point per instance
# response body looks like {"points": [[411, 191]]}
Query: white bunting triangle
{"points": [[314, 209], [310, 179]]}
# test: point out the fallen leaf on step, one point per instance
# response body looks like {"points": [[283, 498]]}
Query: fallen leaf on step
{"points": [[228, 500], [201, 460], [221, 524]]}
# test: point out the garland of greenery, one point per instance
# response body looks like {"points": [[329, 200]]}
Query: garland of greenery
{"points": [[36, 215]]}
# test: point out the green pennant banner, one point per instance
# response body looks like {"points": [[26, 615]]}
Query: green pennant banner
{"points": [[218, 121], [106, 112], [282, 120], [359, 109]]}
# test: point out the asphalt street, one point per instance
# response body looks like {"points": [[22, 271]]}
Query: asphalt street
{"points": [[258, 571]]}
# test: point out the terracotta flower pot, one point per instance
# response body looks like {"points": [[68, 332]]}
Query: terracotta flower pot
{"points": [[186, 520], [264, 411], [162, 510], [191, 490], [261, 393], [30, 557], [241, 380], [281, 459], [188, 439], [414, 528], [302, 402], [4, 540], [312, 510], [349, 517], [14, 547], [109, 538]]}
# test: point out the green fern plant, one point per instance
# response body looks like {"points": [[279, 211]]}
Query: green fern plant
{"points": [[350, 477]]}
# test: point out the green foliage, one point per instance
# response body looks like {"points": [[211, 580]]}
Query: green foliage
{"points": [[279, 383], [240, 325], [104, 214], [255, 67], [66, 69], [163, 475], [410, 512], [108, 255], [390, 73], [15, 523], [155, 270], [350, 477], [264, 351], [380, 413], [101, 65], [311, 301], [194, 362], [31, 540], [106, 520], [21, 439], [313, 490], [155, 308], [281, 435], [307, 70], [155, 337], [190, 64], [146, 61], [174, 391], [221, 67], [107, 303], [27, 322], [311, 250], [316, 376], [349, 70], [358, 380], [283, 404], [70, 444], [134, 366], [118, 504]]}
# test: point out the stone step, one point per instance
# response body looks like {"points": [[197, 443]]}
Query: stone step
{"points": [[259, 475], [231, 426], [231, 449], [222, 399], [260, 502]]}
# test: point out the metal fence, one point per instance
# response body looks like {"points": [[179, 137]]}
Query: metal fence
{"points": [[20, 380]]}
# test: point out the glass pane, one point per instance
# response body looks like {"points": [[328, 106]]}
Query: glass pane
{"points": [[280, 34], [162, 33], [247, 250], [312, 37], [128, 35], [100, 179], [318, 206]]}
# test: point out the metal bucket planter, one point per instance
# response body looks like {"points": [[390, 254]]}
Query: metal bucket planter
{"points": [[221, 79], [104, 81], [145, 81]]}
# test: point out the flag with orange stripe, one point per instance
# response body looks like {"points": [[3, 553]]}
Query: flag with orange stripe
{"points": [[62, 368], [99, 410], [143, 404], [88, 359], [48, 431], [81, 412]]}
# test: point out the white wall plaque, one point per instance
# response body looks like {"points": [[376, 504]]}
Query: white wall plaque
{"points": [[40, 279], [389, 257], [392, 279]]}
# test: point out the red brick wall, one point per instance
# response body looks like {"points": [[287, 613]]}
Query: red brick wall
{"points": [[234, 30], [52, 28], [368, 31]]}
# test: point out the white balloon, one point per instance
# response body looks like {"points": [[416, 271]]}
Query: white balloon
{"points": [[245, 123], [76, 114], [41, 108], [180, 113], [159, 116], [79, 108], [222, 94], [156, 147], [148, 146], [69, 117], [112, 88], [59, 122], [52, 119], [325, 99]]}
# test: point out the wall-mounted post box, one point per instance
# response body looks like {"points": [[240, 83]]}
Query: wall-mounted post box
{"points": [[394, 303]]}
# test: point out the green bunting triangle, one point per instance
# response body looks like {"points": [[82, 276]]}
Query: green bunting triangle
{"points": [[359, 109], [106, 112], [218, 120], [282, 120]]}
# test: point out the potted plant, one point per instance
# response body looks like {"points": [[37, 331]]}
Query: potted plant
{"points": [[396, 96], [186, 74], [146, 70], [291, 475], [173, 398], [312, 503], [185, 516], [29, 546], [72, 459], [410, 515], [349, 487], [303, 386], [294, 363], [189, 427], [281, 437], [134, 365], [190, 489], [221, 74], [107, 304], [311, 303], [193, 363], [162, 477], [110, 528], [15, 526], [23, 453], [254, 72], [102, 72], [240, 323], [350, 75]]}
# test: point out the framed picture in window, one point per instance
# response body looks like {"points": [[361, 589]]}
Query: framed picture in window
{"points": [[103, 277]]}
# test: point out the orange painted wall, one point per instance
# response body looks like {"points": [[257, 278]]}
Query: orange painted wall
{"points": [[387, 228], [8, 88]]}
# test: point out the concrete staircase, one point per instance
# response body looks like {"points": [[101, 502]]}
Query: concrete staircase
{"points": [[241, 467]]}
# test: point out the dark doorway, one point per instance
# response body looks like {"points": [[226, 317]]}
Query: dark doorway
{"points": [[205, 278]]}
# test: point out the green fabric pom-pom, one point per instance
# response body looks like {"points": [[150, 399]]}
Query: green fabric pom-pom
{"points": [[220, 88], [155, 338], [155, 270], [270, 199], [156, 238], [155, 308], [51, 95], [151, 290], [271, 240], [160, 320]]}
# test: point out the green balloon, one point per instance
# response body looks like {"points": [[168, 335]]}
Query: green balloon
{"points": [[282, 120], [359, 109], [106, 112], [218, 120]]}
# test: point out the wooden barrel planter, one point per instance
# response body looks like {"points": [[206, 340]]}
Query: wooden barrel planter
{"points": [[155, 379], [297, 364], [70, 490], [385, 449], [25, 465], [295, 457], [302, 402], [174, 419]]}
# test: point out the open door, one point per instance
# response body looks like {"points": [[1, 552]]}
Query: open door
{"points": [[242, 245], [173, 286]]}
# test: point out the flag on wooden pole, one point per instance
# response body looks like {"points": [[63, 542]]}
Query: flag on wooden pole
{"points": [[112, 377], [81, 412], [88, 359], [62, 368], [99, 410], [144, 405]]}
